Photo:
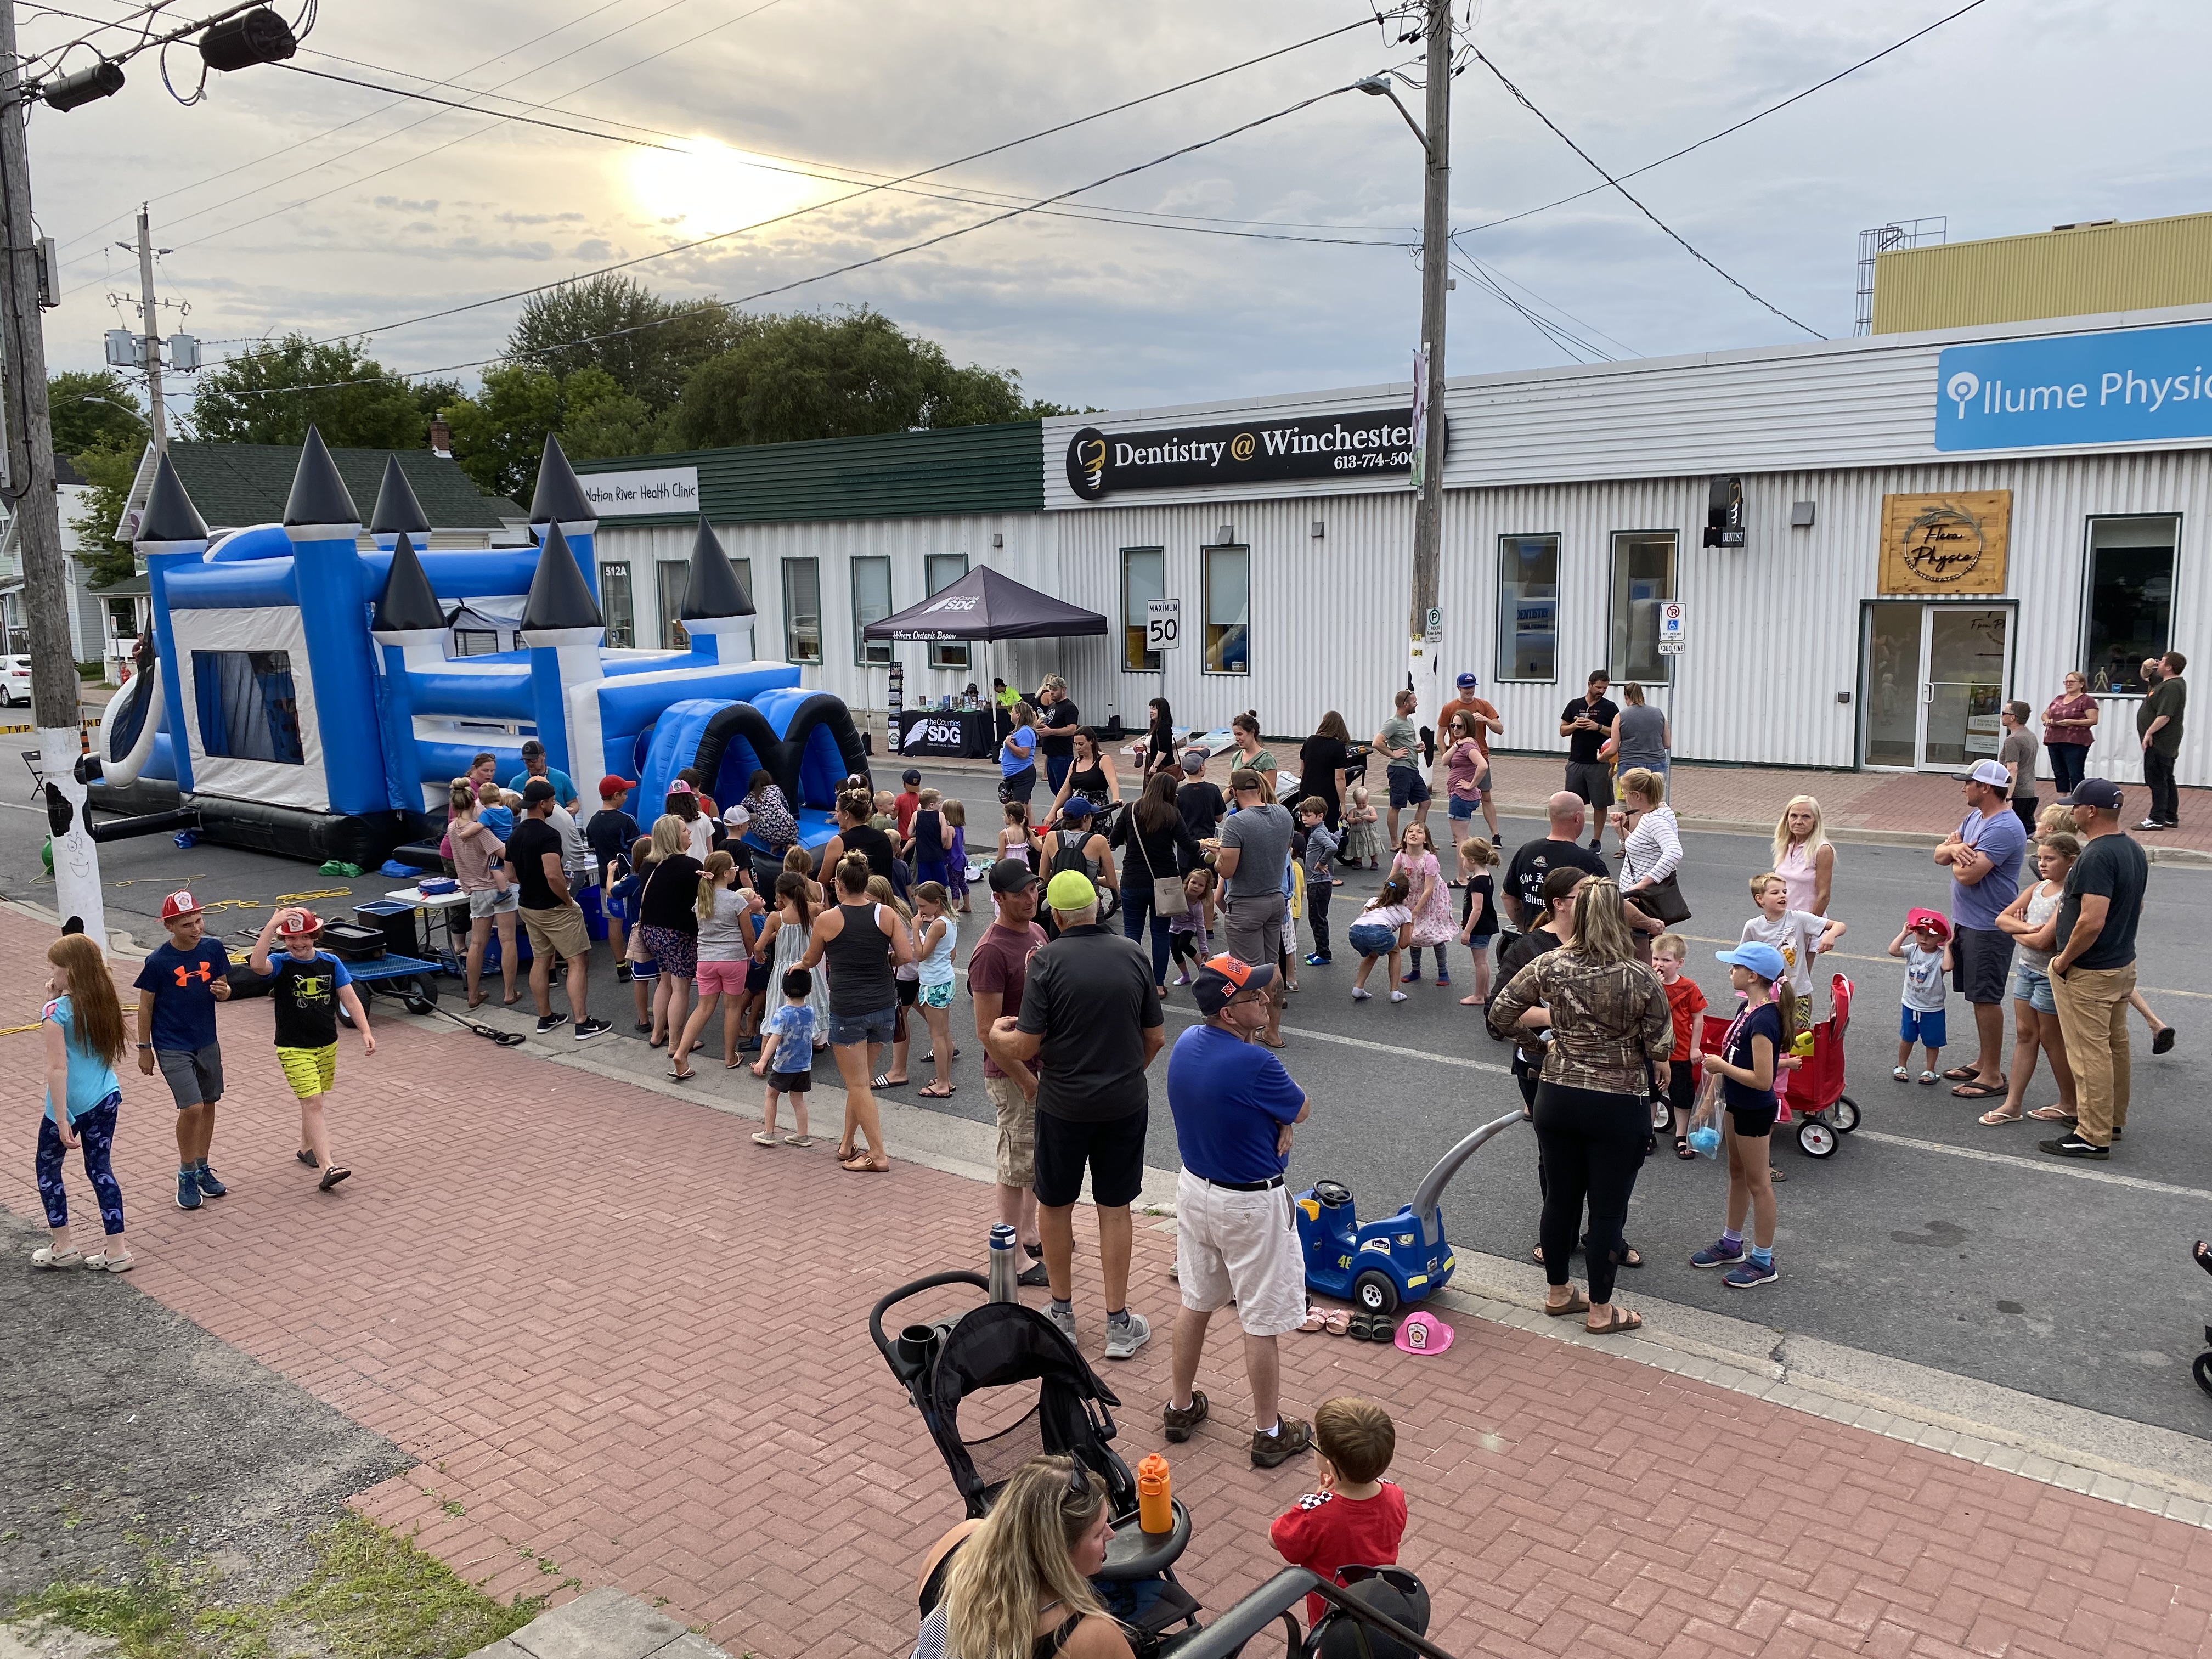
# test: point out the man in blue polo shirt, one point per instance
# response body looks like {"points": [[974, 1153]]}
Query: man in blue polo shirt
{"points": [[1236, 1237], [1984, 853]]}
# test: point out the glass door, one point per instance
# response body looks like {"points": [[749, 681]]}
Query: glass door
{"points": [[1935, 680]]}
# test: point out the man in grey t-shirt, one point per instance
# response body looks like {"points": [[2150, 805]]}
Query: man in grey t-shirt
{"points": [[1399, 742], [1255, 852]]}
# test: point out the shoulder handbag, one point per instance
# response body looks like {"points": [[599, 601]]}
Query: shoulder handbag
{"points": [[1662, 901], [1169, 899]]}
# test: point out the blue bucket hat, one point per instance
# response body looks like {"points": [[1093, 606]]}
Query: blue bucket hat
{"points": [[1762, 959]]}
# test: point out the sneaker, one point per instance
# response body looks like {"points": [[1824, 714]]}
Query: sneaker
{"points": [[1317, 960], [1443, 979], [1177, 1424], [1397, 996], [1063, 1321], [551, 1023], [1719, 1254], [188, 1190], [1180, 979], [622, 973], [1595, 846], [1361, 993], [1292, 1435], [592, 1028], [2074, 1146], [209, 1184], [1749, 1273], [1122, 1340]]}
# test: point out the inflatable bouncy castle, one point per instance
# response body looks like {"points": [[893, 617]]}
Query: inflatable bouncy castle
{"points": [[301, 693]]}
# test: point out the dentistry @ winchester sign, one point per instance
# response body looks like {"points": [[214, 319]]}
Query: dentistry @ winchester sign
{"points": [[2126, 385], [1370, 442]]}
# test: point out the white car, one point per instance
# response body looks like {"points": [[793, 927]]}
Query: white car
{"points": [[15, 682]]}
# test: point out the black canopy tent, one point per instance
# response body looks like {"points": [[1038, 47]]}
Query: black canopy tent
{"points": [[985, 604]]}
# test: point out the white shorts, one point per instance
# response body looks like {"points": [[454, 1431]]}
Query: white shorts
{"points": [[1243, 1245]]}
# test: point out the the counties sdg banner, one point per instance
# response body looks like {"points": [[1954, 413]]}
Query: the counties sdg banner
{"points": [[2126, 385]]}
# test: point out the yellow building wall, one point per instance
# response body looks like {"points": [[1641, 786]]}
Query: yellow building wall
{"points": [[2137, 265]]}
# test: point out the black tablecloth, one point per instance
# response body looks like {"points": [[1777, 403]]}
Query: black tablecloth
{"points": [[963, 732]]}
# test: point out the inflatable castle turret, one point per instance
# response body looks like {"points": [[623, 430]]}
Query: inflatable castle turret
{"points": [[717, 612], [398, 511], [563, 627]]}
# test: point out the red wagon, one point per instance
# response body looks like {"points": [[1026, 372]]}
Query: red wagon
{"points": [[1811, 1093]]}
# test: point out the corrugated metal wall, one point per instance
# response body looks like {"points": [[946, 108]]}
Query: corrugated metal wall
{"points": [[2052, 273]]}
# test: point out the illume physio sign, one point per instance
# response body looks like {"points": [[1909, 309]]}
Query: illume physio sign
{"points": [[2122, 386]]}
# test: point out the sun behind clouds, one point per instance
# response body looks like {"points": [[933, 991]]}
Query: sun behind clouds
{"points": [[707, 186]]}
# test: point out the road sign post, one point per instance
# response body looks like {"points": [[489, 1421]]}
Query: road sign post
{"points": [[1670, 628]]}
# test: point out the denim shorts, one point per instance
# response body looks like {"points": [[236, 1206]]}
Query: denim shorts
{"points": [[1461, 808], [1371, 938], [1408, 787], [2033, 987], [874, 1026]]}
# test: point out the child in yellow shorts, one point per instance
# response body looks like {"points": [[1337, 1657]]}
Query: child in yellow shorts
{"points": [[309, 987]]}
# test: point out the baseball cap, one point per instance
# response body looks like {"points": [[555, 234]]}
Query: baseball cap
{"points": [[1916, 919], [911, 775], [680, 787], [1013, 876], [1077, 806], [1467, 682], [1245, 778], [1762, 959], [1986, 771], [737, 814], [300, 924], [611, 785], [531, 746], [180, 904], [1071, 890], [537, 789], [2100, 793], [1193, 759], [1223, 977]]}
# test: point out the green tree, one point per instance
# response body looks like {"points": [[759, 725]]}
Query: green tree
{"points": [[109, 470], [272, 392], [812, 376], [93, 409], [499, 433], [647, 345], [599, 419]]}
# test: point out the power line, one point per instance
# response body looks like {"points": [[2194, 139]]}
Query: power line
{"points": [[1523, 98], [1715, 138]]}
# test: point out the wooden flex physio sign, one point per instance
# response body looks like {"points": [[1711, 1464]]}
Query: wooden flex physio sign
{"points": [[2118, 386], [1943, 544], [1371, 443]]}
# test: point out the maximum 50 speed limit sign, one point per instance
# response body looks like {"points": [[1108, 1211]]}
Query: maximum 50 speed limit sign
{"points": [[1163, 624]]}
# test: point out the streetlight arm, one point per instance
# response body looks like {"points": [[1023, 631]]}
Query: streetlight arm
{"points": [[1378, 86]]}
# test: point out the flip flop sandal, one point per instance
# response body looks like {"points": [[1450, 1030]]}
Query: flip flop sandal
{"points": [[931, 1091], [675, 1076], [332, 1177], [1929, 1079], [1959, 1074], [1999, 1116], [307, 1158], [1683, 1149], [1316, 1319], [866, 1166], [2053, 1114], [1361, 1327], [1900, 1073], [1576, 1302], [1384, 1328], [1337, 1321], [884, 1082], [1621, 1324], [1979, 1091]]}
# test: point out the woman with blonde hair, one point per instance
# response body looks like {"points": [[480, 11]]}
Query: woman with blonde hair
{"points": [[1804, 857], [1017, 1583], [1650, 847], [1611, 1036], [82, 1030]]}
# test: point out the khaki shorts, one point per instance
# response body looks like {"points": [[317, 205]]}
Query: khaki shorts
{"points": [[1252, 930], [1017, 1131], [557, 933], [1243, 1245]]}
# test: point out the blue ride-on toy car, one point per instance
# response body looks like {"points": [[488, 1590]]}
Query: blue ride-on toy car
{"points": [[1378, 1265]]}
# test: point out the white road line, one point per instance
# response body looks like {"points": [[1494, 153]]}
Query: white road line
{"points": [[1846, 956], [1364, 1042], [2045, 1165]]}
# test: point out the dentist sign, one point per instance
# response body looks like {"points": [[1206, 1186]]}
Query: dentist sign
{"points": [[2126, 385]]}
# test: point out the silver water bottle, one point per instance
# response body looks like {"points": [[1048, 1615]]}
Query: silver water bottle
{"points": [[1003, 1274]]}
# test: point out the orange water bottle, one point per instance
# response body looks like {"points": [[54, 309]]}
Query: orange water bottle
{"points": [[1155, 1513]]}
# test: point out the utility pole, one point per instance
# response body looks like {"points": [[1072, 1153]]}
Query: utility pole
{"points": [[31, 499], [150, 332], [1436, 266]]}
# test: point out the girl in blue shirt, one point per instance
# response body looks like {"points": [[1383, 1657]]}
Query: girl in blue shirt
{"points": [[1745, 1065], [82, 1028]]}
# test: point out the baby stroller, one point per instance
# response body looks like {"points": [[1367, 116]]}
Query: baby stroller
{"points": [[1004, 1347]]}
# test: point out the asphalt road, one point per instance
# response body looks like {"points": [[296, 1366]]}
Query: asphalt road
{"points": [[1927, 1237]]}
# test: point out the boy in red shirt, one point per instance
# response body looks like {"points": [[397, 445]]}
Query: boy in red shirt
{"points": [[907, 801], [1686, 1002], [1358, 1518]]}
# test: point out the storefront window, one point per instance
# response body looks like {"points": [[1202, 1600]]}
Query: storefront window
{"points": [[872, 602], [1144, 579], [671, 578], [1643, 581], [940, 571], [1528, 607], [1228, 610], [2130, 608], [802, 610], [615, 606]]}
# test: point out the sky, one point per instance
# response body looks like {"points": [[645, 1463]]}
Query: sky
{"points": [[297, 204]]}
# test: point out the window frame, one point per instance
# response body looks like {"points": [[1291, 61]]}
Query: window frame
{"points": [[863, 646], [1205, 555], [942, 655], [2089, 551], [674, 636], [787, 567], [207, 678], [609, 569], [1616, 627], [1152, 662], [1502, 667]]}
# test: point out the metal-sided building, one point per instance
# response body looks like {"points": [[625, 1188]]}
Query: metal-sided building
{"points": [[1911, 529]]}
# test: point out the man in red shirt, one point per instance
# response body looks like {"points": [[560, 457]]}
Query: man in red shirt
{"points": [[1485, 715], [997, 967]]}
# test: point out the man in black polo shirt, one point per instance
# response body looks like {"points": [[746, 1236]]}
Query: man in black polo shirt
{"points": [[1090, 1019], [1586, 723]]}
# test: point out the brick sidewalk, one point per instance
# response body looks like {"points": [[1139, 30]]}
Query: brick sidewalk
{"points": [[628, 1347]]}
